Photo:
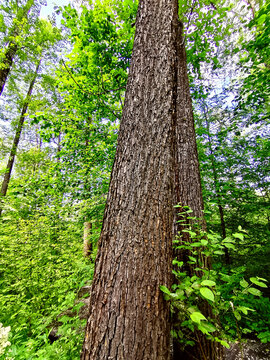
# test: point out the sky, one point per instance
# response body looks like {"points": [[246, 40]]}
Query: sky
{"points": [[47, 10]]}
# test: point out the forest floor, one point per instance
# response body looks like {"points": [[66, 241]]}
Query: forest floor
{"points": [[251, 350]]}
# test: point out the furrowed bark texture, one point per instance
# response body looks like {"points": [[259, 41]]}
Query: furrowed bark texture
{"points": [[188, 191], [156, 166], [129, 318], [187, 181]]}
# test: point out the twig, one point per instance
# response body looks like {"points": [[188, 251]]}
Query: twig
{"points": [[91, 93], [189, 18]]}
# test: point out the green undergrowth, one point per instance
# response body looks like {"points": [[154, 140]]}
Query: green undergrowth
{"points": [[41, 271], [238, 307]]}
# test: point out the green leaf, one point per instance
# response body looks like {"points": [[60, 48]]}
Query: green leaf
{"points": [[204, 242], [207, 293], [228, 239], [241, 229], [239, 236], [244, 309], [208, 283], [244, 283], [258, 283], [206, 328], [218, 252], [237, 315], [224, 343], [189, 290], [196, 285], [165, 289], [261, 19], [264, 336], [254, 291], [197, 317], [174, 296], [196, 244], [225, 277], [178, 263], [229, 246], [167, 294]]}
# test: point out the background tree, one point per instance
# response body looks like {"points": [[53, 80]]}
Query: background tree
{"points": [[44, 39], [15, 144], [16, 30]]}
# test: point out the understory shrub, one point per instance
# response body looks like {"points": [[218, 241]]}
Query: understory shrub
{"points": [[41, 270], [238, 306]]}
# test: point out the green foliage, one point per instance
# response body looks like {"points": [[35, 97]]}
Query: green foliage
{"points": [[205, 26], [233, 300], [246, 313], [42, 269], [63, 168], [255, 91]]}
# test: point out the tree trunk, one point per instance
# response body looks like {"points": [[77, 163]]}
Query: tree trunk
{"points": [[12, 46], [156, 166], [223, 230], [217, 189], [188, 190], [8, 60], [58, 156], [16, 140], [87, 246]]}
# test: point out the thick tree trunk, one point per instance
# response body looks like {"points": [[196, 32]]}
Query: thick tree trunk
{"points": [[129, 317], [12, 45], [156, 166], [16, 140]]}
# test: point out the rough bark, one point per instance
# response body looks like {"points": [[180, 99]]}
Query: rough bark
{"points": [[188, 191], [156, 166], [12, 46], [87, 246], [17, 137]]}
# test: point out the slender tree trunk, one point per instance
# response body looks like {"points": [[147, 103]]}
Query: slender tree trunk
{"points": [[16, 140], [87, 246], [12, 46], [156, 166], [58, 148], [217, 190]]}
